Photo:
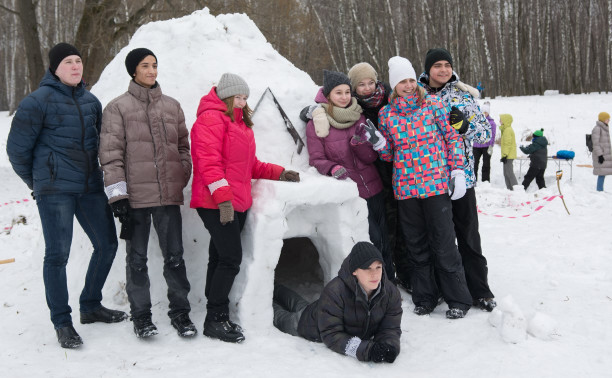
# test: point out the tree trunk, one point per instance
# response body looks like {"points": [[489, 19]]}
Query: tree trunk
{"points": [[29, 28]]}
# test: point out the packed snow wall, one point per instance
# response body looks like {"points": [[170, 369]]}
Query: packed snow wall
{"points": [[193, 52]]}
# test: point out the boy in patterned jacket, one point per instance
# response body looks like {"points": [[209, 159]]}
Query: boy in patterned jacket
{"points": [[440, 79]]}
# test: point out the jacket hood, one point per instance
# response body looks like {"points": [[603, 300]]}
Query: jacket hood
{"points": [[406, 105], [320, 97], [506, 120], [212, 102], [50, 80]]}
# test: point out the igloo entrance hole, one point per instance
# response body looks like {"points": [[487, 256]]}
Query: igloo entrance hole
{"points": [[298, 268]]}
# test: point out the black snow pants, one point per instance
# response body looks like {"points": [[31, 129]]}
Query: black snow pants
{"points": [[465, 218], [427, 228], [538, 174], [224, 258], [486, 162]]}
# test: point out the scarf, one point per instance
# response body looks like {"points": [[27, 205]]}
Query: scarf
{"points": [[344, 118], [375, 99]]}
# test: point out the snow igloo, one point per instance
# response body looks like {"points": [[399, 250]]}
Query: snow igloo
{"points": [[295, 233]]}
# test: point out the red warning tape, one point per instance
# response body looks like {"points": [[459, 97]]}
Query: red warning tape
{"points": [[15, 202], [7, 229], [546, 199]]}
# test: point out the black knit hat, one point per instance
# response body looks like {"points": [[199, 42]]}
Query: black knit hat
{"points": [[331, 79], [363, 255], [59, 52], [136, 56], [436, 55]]}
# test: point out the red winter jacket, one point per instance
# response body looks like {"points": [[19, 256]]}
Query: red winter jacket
{"points": [[223, 154]]}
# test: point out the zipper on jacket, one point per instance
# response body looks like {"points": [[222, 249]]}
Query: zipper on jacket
{"points": [[154, 151], [367, 327], [165, 130], [359, 173], [51, 164], [82, 140]]}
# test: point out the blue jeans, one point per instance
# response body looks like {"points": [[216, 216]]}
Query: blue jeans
{"points": [[57, 212], [600, 182]]}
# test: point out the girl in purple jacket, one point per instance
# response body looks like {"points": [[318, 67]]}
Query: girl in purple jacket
{"points": [[340, 146]]}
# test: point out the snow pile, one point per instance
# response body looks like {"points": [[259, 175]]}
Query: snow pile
{"points": [[510, 321]]}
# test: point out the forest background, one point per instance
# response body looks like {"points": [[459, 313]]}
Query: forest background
{"points": [[513, 47]]}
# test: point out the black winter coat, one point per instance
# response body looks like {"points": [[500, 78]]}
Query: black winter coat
{"points": [[538, 152], [385, 168], [342, 313]]}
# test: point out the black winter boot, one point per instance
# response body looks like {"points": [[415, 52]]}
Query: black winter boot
{"points": [[218, 326], [144, 327], [68, 337], [103, 315], [184, 326], [487, 304], [422, 310], [455, 313]]}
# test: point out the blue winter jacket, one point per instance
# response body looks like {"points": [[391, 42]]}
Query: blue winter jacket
{"points": [[54, 137]]}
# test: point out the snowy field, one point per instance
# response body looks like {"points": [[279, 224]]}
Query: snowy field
{"points": [[551, 272]]}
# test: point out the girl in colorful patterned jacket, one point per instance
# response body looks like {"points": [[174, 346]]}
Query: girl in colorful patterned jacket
{"points": [[427, 159], [224, 163], [340, 146]]}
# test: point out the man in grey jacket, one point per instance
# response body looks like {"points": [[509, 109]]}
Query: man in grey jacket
{"points": [[144, 152]]}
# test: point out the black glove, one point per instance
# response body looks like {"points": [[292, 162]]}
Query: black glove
{"points": [[121, 209], [601, 159], [503, 160], [458, 121], [378, 352], [391, 354]]}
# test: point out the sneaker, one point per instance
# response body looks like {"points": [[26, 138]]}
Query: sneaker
{"points": [[103, 315], [224, 331], [144, 327], [455, 313], [487, 304], [68, 337], [184, 326], [422, 310]]}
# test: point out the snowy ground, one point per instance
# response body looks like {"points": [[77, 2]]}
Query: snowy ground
{"points": [[550, 271]]}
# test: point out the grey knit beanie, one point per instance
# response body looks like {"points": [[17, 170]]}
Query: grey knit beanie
{"points": [[331, 79], [231, 85], [363, 255]]}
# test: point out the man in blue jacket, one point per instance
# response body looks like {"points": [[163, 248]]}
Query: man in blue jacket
{"points": [[53, 147]]}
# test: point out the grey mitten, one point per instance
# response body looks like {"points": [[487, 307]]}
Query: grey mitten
{"points": [[227, 212]]}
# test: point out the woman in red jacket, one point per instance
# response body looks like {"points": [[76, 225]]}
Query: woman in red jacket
{"points": [[224, 162]]}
